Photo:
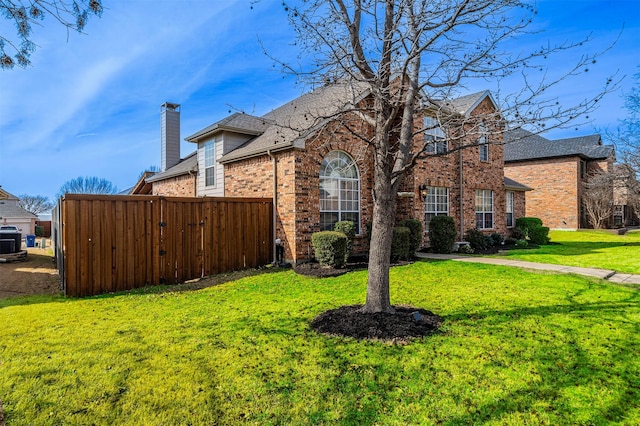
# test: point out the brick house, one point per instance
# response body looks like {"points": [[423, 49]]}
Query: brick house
{"points": [[557, 170], [319, 172], [626, 193]]}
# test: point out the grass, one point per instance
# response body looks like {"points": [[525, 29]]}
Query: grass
{"points": [[595, 249], [516, 348]]}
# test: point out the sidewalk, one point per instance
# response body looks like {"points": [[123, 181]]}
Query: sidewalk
{"points": [[604, 274]]}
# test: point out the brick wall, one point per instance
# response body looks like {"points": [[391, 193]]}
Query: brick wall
{"points": [[298, 208], [298, 172], [554, 198], [179, 186], [444, 171]]}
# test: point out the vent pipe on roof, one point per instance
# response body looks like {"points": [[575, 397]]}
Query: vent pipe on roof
{"points": [[169, 135]]}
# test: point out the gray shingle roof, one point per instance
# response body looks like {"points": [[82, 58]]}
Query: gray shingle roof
{"points": [[236, 122], [465, 104], [293, 121], [517, 186], [522, 145], [186, 165], [10, 209]]}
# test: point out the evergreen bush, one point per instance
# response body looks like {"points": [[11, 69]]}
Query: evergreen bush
{"points": [[415, 237], [527, 223], [330, 248], [400, 245], [477, 239], [348, 228], [496, 239], [539, 235], [442, 234]]}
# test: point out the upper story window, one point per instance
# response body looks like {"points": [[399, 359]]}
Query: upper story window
{"points": [[483, 141], [209, 163], [583, 169], [339, 191], [434, 136]]}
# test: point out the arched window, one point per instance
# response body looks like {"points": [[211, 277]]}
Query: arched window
{"points": [[339, 191]]}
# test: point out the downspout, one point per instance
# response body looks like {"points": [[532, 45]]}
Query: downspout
{"points": [[461, 199], [274, 163]]}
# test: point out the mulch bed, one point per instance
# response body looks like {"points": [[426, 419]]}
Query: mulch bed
{"points": [[406, 324], [402, 326]]}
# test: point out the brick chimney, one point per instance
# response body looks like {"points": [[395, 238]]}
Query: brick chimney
{"points": [[169, 135]]}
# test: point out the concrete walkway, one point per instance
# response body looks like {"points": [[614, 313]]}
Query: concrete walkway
{"points": [[604, 274]]}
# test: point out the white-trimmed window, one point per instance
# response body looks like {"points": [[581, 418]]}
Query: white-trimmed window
{"points": [[436, 203], [209, 163], [483, 141], [510, 222], [484, 209], [434, 136], [339, 191]]}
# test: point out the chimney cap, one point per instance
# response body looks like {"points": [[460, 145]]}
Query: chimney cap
{"points": [[170, 106]]}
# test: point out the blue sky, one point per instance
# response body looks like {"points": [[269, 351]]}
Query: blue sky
{"points": [[90, 104]]}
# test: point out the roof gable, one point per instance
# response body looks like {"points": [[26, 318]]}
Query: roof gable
{"points": [[237, 122]]}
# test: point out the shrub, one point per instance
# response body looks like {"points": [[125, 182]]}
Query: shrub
{"points": [[415, 236], [511, 241], [442, 234], [330, 248], [348, 228], [539, 235], [496, 239], [522, 244], [400, 243], [527, 223], [39, 231], [465, 249], [477, 239], [518, 234]]}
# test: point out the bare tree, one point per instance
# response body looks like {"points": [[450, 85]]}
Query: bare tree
{"points": [[35, 204], [598, 198], [628, 136], [413, 56], [88, 185], [17, 50]]}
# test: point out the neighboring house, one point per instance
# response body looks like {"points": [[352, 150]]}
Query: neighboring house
{"points": [[319, 173], [12, 214], [626, 194], [557, 170]]}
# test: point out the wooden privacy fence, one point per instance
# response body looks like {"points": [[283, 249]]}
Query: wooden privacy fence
{"points": [[115, 243]]}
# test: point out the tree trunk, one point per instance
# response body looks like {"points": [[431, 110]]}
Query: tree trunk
{"points": [[384, 212]]}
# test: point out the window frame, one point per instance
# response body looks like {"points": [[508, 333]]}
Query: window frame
{"points": [[435, 193], [483, 142], [347, 190], [485, 209], [434, 136], [510, 205], [209, 163]]}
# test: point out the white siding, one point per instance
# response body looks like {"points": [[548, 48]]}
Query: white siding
{"points": [[216, 190], [226, 142]]}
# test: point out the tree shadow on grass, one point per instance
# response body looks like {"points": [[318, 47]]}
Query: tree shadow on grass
{"points": [[566, 363], [370, 378]]}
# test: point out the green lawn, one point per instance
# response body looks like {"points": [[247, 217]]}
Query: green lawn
{"points": [[595, 249], [516, 348]]}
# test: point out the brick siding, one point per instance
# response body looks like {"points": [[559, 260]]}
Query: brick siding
{"points": [[179, 186]]}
